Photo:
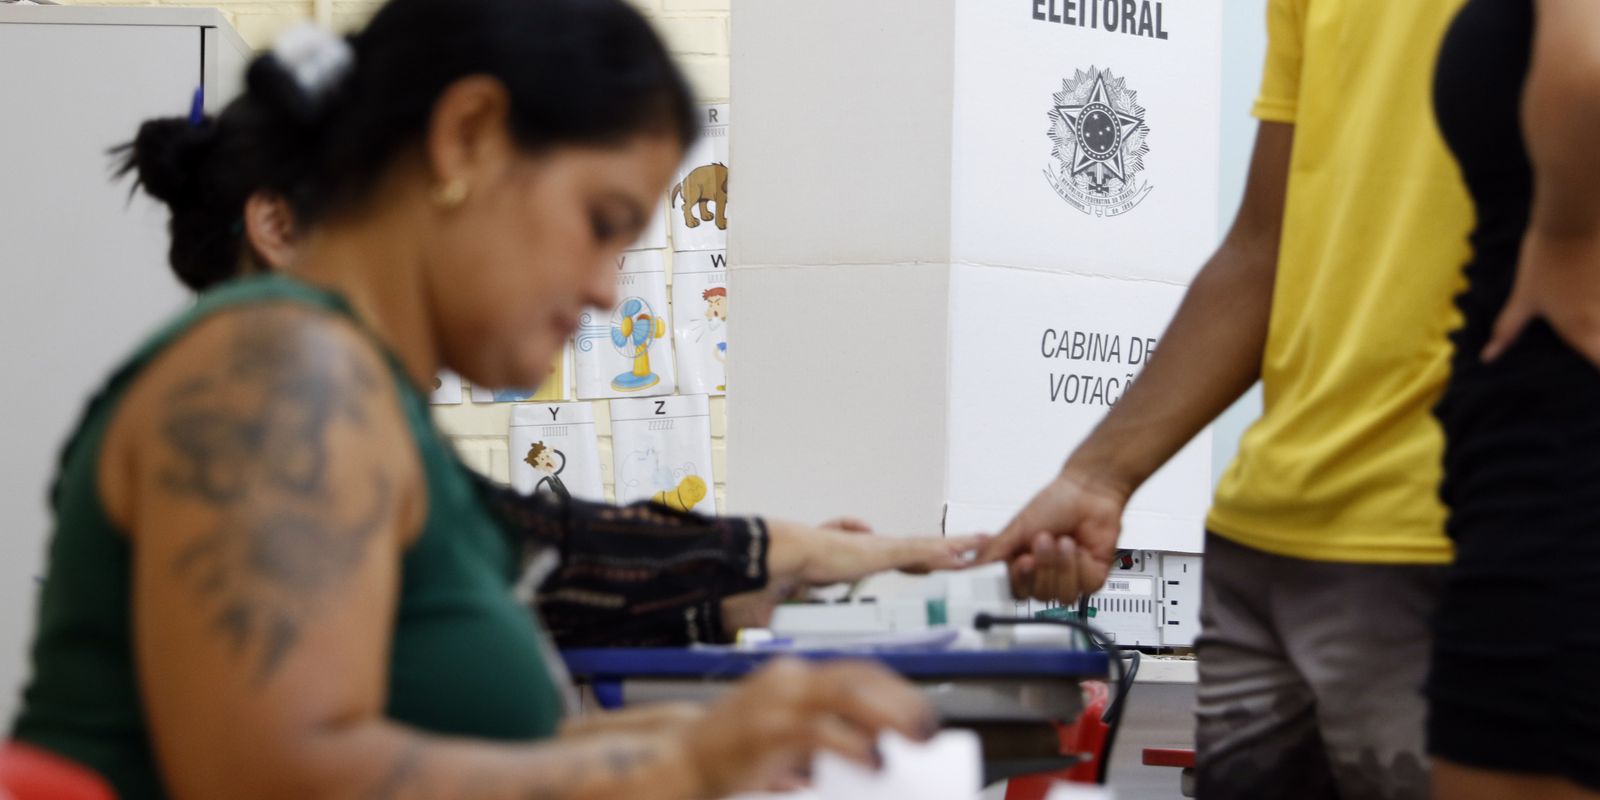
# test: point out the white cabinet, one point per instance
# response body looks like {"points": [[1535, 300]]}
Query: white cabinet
{"points": [[83, 272]]}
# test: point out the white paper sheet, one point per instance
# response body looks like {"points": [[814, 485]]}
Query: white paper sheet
{"points": [[661, 449], [947, 768], [627, 351], [698, 203], [554, 447], [700, 321]]}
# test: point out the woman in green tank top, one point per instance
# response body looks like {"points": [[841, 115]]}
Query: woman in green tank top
{"points": [[269, 578]]}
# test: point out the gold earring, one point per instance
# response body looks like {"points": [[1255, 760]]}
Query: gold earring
{"points": [[451, 195]]}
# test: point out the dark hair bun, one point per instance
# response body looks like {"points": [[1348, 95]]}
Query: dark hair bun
{"points": [[322, 116], [174, 161], [168, 157]]}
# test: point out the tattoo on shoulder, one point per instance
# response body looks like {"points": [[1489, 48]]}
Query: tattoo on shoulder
{"points": [[251, 440]]}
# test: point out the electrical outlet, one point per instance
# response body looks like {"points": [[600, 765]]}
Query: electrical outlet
{"points": [[1180, 599], [1150, 599]]}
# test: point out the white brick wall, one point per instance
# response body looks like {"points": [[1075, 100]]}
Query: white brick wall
{"points": [[696, 32]]}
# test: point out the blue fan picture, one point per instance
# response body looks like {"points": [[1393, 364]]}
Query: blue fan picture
{"points": [[635, 327]]}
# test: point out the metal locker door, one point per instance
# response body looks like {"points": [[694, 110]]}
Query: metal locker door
{"points": [[83, 272]]}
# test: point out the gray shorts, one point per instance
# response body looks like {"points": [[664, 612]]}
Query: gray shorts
{"points": [[1311, 677]]}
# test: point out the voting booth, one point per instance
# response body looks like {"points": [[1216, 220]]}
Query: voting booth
{"points": [[966, 224]]}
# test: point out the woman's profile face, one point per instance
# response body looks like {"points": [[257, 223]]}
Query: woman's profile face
{"points": [[537, 246]]}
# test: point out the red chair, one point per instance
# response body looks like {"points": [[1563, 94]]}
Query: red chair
{"points": [[28, 773], [1085, 737]]}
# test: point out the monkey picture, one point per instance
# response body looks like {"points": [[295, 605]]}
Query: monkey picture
{"points": [[542, 458], [702, 187]]}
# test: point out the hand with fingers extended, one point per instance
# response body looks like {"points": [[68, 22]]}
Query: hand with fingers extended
{"points": [[1062, 543], [792, 589], [764, 735], [846, 550], [800, 558]]}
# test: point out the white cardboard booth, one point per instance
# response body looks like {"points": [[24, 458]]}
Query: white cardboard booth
{"points": [[963, 226]]}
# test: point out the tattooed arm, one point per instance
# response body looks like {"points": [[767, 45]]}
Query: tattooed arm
{"points": [[264, 473]]}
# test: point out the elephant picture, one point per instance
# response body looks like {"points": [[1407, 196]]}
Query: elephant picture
{"points": [[704, 186]]}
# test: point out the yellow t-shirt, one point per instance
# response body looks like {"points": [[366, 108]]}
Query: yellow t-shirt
{"points": [[1345, 463]]}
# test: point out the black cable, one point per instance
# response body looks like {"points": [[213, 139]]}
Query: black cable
{"points": [[1113, 716], [1114, 710], [1113, 713]]}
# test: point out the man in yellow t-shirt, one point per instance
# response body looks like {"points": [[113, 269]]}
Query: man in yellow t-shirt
{"points": [[1334, 289]]}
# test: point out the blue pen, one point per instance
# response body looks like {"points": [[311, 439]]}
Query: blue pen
{"points": [[197, 107]]}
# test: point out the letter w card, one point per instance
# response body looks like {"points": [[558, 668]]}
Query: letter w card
{"points": [[700, 313]]}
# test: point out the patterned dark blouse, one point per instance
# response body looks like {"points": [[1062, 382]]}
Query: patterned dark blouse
{"points": [[632, 576]]}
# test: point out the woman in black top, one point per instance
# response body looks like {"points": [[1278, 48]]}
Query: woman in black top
{"points": [[1515, 684]]}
